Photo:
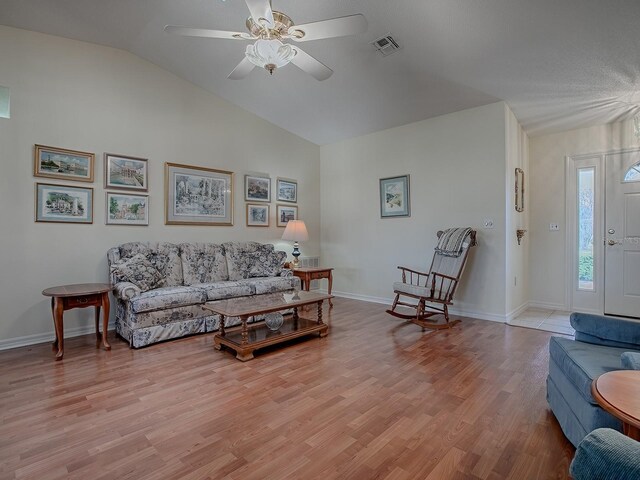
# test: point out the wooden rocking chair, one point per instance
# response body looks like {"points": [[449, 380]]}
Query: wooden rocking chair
{"points": [[434, 287]]}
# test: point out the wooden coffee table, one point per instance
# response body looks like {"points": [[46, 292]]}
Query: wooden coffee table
{"points": [[81, 295], [248, 338], [618, 393]]}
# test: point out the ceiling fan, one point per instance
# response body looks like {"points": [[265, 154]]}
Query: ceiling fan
{"points": [[269, 28]]}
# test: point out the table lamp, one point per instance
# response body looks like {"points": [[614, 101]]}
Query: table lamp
{"points": [[295, 231]]}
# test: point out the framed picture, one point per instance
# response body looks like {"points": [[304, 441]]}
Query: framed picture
{"points": [[127, 209], [286, 213], [61, 163], [287, 190], [197, 195], [257, 215], [63, 203], [394, 197], [125, 173], [257, 189]]}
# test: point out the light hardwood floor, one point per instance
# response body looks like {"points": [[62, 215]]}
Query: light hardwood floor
{"points": [[376, 399]]}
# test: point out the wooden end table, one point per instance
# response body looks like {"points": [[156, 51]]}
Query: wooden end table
{"points": [[67, 297], [618, 393], [307, 274]]}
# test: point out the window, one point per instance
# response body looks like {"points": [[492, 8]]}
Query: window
{"points": [[586, 217], [4, 102], [633, 174]]}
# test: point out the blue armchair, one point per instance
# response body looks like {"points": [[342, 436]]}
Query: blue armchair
{"points": [[597, 348], [605, 454]]}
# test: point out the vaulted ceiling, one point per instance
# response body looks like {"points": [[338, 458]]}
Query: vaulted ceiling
{"points": [[559, 64]]}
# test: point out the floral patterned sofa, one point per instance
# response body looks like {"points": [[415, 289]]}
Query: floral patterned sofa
{"points": [[160, 287]]}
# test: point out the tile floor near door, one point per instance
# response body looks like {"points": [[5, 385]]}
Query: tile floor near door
{"points": [[549, 320]]}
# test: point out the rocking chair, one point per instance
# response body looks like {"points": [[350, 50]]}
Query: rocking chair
{"points": [[437, 286]]}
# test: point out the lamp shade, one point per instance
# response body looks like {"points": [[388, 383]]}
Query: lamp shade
{"points": [[295, 231], [270, 54]]}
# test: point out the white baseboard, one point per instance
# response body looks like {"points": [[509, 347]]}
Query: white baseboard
{"points": [[48, 336], [517, 311], [454, 311], [548, 306]]}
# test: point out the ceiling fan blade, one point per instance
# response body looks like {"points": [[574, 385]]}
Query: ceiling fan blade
{"points": [[261, 11], [313, 67], [204, 32], [242, 70], [336, 27]]}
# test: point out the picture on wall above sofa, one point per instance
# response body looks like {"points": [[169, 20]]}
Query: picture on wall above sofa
{"points": [[287, 190], [257, 188], [198, 195], [125, 173], [286, 213], [53, 162], [63, 204], [127, 209], [257, 215]]}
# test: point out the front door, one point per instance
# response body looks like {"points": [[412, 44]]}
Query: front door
{"points": [[622, 234]]}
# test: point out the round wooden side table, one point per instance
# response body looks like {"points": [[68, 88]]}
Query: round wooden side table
{"points": [[618, 393], [82, 295]]}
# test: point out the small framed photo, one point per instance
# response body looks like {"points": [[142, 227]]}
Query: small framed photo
{"points": [[63, 204], [53, 162], [257, 215], [125, 173], [257, 188], [197, 195], [287, 190], [127, 209], [286, 213], [394, 197]]}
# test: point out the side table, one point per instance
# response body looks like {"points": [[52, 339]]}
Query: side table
{"points": [[618, 393], [306, 274], [67, 297]]}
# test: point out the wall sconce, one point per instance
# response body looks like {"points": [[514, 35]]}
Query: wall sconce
{"points": [[519, 234]]}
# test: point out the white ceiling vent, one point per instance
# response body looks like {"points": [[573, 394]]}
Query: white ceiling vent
{"points": [[386, 45]]}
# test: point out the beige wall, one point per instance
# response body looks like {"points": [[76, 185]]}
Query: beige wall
{"points": [[91, 98], [457, 164], [547, 164]]}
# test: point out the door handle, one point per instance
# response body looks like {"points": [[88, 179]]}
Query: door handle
{"points": [[613, 242]]}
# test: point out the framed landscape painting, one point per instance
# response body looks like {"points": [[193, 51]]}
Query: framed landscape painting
{"points": [[394, 197], [287, 190], [127, 209], [63, 203], [197, 195], [286, 213], [125, 173], [53, 162], [257, 189], [257, 215]]}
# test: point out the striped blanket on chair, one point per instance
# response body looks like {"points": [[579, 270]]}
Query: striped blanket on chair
{"points": [[451, 241]]}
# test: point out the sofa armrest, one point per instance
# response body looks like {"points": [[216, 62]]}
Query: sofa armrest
{"points": [[630, 360], [126, 290], [606, 454], [608, 331], [286, 272]]}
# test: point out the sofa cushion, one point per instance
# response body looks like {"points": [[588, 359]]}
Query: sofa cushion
{"points": [[267, 264], [630, 360], [582, 362], [271, 284], [167, 297], [139, 271], [603, 330], [203, 263], [242, 256], [228, 289], [164, 256]]}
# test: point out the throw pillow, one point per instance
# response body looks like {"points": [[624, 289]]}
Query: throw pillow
{"points": [[139, 271], [630, 360], [267, 265]]}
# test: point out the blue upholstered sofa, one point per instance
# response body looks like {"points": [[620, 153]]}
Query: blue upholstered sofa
{"points": [[605, 454], [573, 365]]}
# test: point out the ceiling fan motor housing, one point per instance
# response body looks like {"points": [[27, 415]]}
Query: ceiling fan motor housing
{"points": [[282, 24]]}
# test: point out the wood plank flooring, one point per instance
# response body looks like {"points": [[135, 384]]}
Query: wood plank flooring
{"points": [[376, 399]]}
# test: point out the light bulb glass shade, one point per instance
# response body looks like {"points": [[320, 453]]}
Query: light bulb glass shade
{"points": [[295, 231], [272, 52]]}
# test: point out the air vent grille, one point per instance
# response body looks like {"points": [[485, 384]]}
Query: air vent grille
{"points": [[386, 45]]}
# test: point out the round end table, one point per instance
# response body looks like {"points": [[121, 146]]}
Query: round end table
{"points": [[618, 393]]}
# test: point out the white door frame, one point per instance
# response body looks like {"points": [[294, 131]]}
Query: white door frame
{"points": [[584, 300]]}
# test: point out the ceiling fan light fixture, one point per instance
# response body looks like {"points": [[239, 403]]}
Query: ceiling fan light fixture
{"points": [[270, 54]]}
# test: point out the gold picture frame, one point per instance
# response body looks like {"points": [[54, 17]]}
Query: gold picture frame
{"points": [[258, 215], [63, 164]]}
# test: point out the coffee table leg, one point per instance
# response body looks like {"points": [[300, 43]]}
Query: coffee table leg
{"points": [[105, 320], [58, 312], [245, 330]]}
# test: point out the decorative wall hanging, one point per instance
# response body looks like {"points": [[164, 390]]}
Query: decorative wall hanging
{"points": [[519, 190], [286, 213], [257, 188], [257, 215], [127, 209], [63, 203], [125, 173], [287, 190], [394, 197], [53, 162]]}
